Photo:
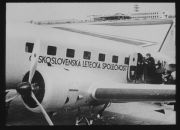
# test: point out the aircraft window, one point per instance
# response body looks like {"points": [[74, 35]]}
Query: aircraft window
{"points": [[70, 53], [51, 50], [115, 59], [87, 55], [126, 61], [101, 57], [29, 47]]}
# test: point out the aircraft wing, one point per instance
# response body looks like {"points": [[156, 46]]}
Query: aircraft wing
{"points": [[127, 40], [131, 92]]}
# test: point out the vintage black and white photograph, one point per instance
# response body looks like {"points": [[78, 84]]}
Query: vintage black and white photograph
{"points": [[90, 63]]}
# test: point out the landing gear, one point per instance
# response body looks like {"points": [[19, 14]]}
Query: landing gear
{"points": [[52, 114], [82, 120], [99, 115]]}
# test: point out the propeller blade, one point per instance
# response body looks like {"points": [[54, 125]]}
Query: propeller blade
{"points": [[10, 99], [43, 111], [34, 60]]}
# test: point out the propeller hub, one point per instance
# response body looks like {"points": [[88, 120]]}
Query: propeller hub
{"points": [[37, 86], [24, 89]]}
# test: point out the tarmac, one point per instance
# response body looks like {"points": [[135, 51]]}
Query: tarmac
{"points": [[133, 113]]}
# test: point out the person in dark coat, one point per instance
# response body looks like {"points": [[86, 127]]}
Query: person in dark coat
{"points": [[149, 68], [169, 77], [140, 67], [158, 73]]}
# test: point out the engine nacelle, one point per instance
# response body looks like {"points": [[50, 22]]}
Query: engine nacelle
{"points": [[53, 86]]}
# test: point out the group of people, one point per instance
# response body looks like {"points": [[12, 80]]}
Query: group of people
{"points": [[153, 72]]}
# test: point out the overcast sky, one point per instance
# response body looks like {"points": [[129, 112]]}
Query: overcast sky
{"points": [[20, 12]]}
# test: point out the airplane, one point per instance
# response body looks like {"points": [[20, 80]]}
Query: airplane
{"points": [[54, 70]]}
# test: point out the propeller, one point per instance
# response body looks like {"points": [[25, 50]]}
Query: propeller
{"points": [[34, 59], [26, 88], [8, 101]]}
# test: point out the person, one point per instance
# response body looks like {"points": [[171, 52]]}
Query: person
{"points": [[173, 74], [158, 65], [149, 68], [139, 74], [158, 73], [149, 61], [169, 77]]}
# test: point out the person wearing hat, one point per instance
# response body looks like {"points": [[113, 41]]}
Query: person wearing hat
{"points": [[149, 68]]}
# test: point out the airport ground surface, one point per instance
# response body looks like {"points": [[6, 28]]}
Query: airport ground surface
{"points": [[117, 114]]}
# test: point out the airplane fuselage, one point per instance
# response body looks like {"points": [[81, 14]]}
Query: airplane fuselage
{"points": [[68, 63], [19, 40]]}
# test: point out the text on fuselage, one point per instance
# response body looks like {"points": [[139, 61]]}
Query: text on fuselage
{"points": [[81, 63]]}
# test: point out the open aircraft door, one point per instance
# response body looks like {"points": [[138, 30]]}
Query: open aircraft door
{"points": [[132, 66]]}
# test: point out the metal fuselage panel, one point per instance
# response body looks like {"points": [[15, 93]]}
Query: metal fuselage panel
{"points": [[18, 61]]}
